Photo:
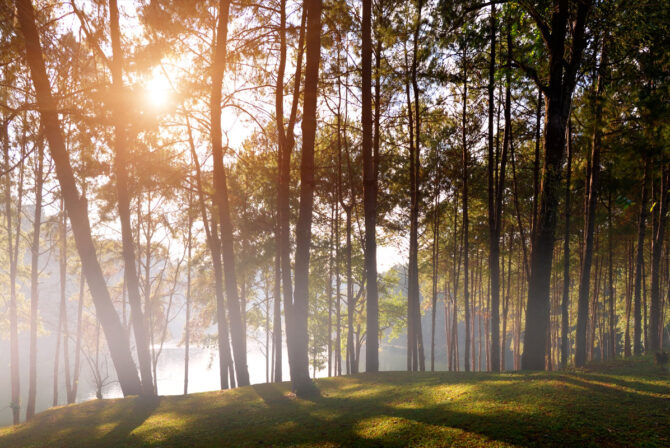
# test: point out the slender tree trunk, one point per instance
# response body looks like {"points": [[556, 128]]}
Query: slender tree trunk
{"points": [[77, 348], [466, 224], [655, 322], [565, 301], [187, 324], [237, 335], [276, 318], [215, 250], [13, 252], [119, 346], [611, 342], [494, 240], [589, 218], [62, 320], [34, 279], [436, 259], [302, 385], [369, 196], [637, 301], [351, 365]]}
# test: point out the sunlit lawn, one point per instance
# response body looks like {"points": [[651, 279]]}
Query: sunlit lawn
{"points": [[621, 404]]}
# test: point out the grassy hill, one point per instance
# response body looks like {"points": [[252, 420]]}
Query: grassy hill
{"points": [[620, 404]]}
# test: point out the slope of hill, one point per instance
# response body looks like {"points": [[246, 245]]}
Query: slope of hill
{"points": [[620, 404]]}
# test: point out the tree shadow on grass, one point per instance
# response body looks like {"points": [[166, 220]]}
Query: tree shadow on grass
{"points": [[139, 411]]}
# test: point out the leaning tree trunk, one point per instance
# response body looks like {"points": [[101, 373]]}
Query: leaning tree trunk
{"points": [[117, 341], [237, 335], [302, 384]]}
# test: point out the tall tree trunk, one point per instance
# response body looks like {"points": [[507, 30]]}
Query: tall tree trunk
{"points": [[237, 335], [117, 341], [302, 385], [286, 142], [466, 223], [637, 300], [494, 241], [276, 315], [123, 197], [76, 369], [34, 279], [13, 252], [215, 251], [352, 366], [655, 322], [187, 324], [589, 219], [558, 92], [611, 341], [565, 301], [369, 196], [417, 179], [436, 259], [63, 329]]}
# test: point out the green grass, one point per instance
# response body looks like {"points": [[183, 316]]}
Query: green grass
{"points": [[620, 404]]}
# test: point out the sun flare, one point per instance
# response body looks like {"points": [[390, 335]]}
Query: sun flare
{"points": [[157, 90]]}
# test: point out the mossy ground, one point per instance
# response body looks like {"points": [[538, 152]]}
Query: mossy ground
{"points": [[619, 404]]}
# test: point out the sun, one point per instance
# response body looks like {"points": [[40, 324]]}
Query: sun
{"points": [[157, 90]]}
